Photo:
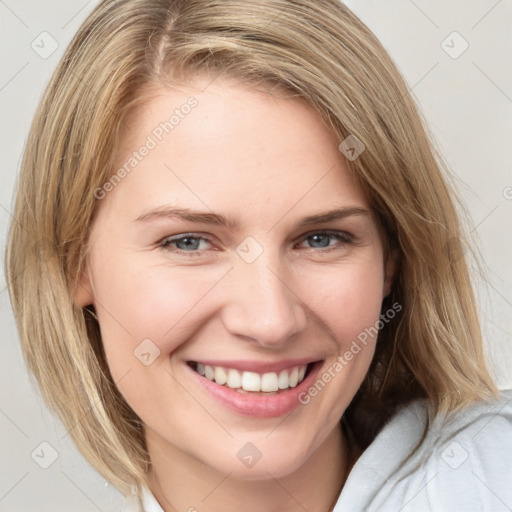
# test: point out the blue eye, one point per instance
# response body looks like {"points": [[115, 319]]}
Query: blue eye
{"points": [[194, 245], [184, 243], [322, 239]]}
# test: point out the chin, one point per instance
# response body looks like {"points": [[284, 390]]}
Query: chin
{"points": [[260, 460]]}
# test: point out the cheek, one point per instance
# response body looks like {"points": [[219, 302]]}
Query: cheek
{"points": [[160, 304], [347, 300]]}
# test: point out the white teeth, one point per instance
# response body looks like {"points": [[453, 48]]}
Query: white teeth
{"points": [[293, 379], [208, 372], [269, 382], [251, 381], [283, 380], [220, 375], [234, 379]]}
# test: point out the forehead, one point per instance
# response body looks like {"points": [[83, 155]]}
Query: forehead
{"points": [[227, 145]]}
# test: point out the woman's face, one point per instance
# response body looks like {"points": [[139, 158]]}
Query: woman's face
{"points": [[236, 248]]}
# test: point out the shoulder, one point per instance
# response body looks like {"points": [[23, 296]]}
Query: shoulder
{"points": [[463, 462], [470, 465]]}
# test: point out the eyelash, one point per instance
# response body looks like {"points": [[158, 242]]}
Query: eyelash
{"points": [[342, 236]]}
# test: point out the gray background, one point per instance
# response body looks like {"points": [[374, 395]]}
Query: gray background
{"points": [[466, 99]]}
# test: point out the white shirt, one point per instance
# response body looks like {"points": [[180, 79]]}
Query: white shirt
{"points": [[463, 464]]}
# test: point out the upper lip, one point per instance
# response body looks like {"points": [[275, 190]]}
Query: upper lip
{"points": [[258, 366]]}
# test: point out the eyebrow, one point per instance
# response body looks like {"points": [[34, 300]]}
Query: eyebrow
{"points": [[233, 224]]}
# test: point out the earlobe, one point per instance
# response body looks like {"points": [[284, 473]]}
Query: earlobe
{"points": [[83, 293]]}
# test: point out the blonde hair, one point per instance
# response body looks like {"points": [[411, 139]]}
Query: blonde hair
{"points": [[318, 50]]}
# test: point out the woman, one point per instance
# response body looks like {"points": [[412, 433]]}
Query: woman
{"points": [[248, 284]]}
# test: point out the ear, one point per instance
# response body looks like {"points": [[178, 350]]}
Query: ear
{"points": [[83, 292], [390, 268]]}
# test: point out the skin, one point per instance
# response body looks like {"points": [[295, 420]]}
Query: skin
{"points": [[266, 161]]}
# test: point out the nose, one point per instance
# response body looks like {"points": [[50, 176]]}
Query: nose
{"points": [[262, 304]]}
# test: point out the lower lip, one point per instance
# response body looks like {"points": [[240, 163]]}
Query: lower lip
{"points": [[258, 405]]}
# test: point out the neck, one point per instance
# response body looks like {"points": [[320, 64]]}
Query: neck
{"points": [[181, 482]]}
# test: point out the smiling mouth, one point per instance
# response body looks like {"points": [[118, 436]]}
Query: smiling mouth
{"points": [[252, 382]]}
